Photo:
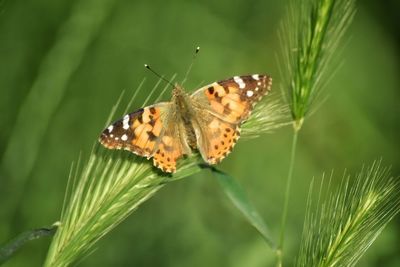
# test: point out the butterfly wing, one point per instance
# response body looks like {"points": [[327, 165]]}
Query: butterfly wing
{"points": [[215, 137], [171, 147], [138, 132], [222, 107], [156, 131], [233, 99], [147, 132]]}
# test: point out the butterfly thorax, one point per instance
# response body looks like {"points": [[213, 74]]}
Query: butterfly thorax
{"points": [[184, 109]]}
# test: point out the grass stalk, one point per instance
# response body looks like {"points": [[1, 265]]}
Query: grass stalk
{"points": [[286, 199], [309, 35]]}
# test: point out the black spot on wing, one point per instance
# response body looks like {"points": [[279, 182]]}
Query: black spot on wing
{"points": [[151, 135]]}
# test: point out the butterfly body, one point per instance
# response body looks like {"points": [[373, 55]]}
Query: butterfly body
{"points": [[185, 113], [207, 120]]}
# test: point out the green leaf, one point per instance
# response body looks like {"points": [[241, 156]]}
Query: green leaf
{"points": [[239, 198]]}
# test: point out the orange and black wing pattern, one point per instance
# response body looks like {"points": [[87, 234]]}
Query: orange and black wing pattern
{"points": [[138, 132], [146, 132], [228, 103], [233, 99]]}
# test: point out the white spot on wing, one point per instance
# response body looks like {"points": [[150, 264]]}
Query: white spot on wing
{"points": [[255, 77], [239, 81], [124, 137], [125, 122], [256, 89], [110, 128], [249, 93]]}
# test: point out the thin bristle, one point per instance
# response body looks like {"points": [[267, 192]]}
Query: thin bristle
{"points": [[339, 230]]}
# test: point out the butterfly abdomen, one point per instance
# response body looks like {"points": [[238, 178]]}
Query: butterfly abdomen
{"points": [[190, 135], [186, 114]]}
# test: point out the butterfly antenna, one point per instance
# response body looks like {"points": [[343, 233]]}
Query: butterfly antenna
{"points": [[159, 76], [191, 64]]}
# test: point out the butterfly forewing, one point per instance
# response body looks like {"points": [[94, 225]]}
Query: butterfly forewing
{"points": [[233, 99], [139, 132]]}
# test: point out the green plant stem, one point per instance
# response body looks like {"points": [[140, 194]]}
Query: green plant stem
{"points": [[287, 195]]}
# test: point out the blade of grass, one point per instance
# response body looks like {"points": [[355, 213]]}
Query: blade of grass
{"points": [[239, 199], [10, 248]]}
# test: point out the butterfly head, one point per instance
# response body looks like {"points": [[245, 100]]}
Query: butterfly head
{"points": [[180, 97], [177, 91]]}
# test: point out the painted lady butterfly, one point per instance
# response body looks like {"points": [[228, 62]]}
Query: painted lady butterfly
{"points": [[208, 120]]}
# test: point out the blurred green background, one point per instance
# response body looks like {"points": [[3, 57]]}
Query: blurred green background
{"points": [[63, 64]]}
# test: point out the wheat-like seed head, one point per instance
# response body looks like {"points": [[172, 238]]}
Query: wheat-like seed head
{"points": [[340, 228], [111, 184], [309, 37]]}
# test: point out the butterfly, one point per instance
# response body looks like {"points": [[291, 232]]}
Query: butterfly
{"points": [[208, 120]]}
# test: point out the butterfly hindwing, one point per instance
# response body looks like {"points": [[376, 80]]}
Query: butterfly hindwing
{"points": [[217, 138], [170, 149]]}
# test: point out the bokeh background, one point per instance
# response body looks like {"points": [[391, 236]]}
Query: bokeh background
{"points": [[63, 64]]}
